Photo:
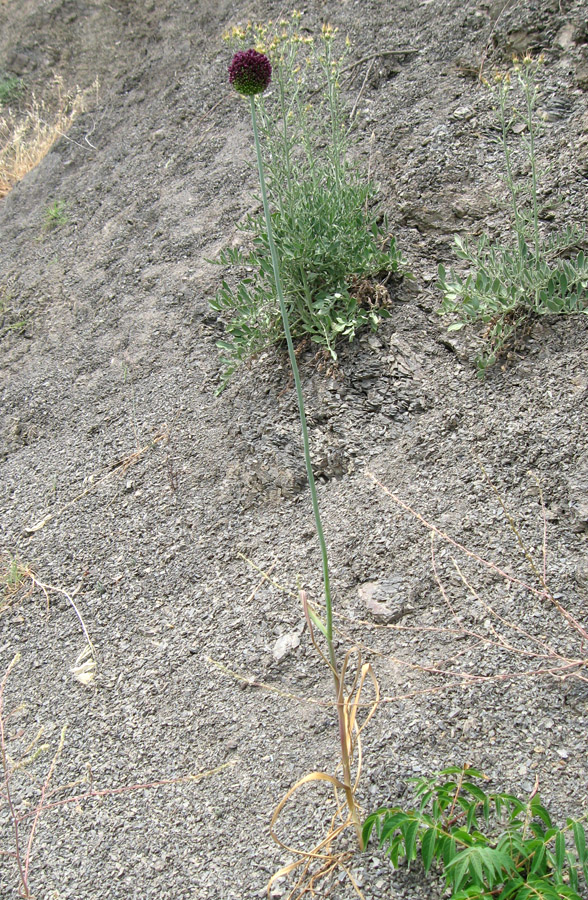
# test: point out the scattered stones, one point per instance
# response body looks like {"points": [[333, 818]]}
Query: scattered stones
{"points": [[581, 75], [184, 566], [581, 574]]}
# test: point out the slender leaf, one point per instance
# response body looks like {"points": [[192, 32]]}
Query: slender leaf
{"points": [[428, 843], [560, 850], [410, 834], [580, 841], [537, 866]]}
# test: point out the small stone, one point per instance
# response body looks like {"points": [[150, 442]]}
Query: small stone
{"points": [[278, 890], [556, 108], [566, 36], [385, 600], [581, 574], [463, 113], [582, 76], [285, 644]]}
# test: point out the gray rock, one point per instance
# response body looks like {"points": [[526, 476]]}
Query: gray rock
{"points": [[578, 494], [386, 600]]}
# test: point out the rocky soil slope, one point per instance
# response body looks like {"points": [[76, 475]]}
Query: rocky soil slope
{"points": [[132, 490]]}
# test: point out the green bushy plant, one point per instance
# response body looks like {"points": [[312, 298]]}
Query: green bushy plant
{"points": [[532, 275], [329, 237], [11, 88], [490, 846]]}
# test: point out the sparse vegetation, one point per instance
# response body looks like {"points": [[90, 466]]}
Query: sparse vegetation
{"points": [[12, 576], [55, 215], [250, 73], [9, 319], [18, 755], [146, 539], [534, 275], [492, 845]]}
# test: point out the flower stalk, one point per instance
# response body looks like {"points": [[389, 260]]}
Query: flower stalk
{"points": [[242, 82], [299, 394]]}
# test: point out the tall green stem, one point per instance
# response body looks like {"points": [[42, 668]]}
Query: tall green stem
{"points": [[297, 382], [338, 676]]}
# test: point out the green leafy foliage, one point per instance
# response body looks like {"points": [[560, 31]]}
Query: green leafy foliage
{"points": [[507, 284], [488, 845], [11, 88], [55, 215], [328, 233]]}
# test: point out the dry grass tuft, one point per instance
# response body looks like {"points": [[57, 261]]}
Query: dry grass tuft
{"points": [[27, 135]]}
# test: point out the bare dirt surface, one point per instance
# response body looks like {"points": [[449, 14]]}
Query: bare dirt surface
{"points": [[129, 485]]}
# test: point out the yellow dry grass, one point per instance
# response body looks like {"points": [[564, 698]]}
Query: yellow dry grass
{"points": [[26, 136]]}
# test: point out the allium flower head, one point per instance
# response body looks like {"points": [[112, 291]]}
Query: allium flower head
{"points": [[250, 72]]}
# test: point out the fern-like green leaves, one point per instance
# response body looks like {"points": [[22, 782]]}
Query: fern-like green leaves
{"points": [[517, 853]]}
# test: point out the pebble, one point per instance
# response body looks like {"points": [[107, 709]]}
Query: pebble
{"points": [[463, 113]]}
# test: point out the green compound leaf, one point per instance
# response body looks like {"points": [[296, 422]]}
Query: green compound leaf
{"points": [[474, 790], [474, 892], [527, 860], [543, 889], [393, 819], [511, 887], [472, 819], [482, 864], [410, 840], [538, 865]]}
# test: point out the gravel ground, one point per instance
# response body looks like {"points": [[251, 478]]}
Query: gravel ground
{"points": [[150, 507]]}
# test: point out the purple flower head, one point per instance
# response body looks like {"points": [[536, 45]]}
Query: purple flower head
{"points": [[250, 72]]}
